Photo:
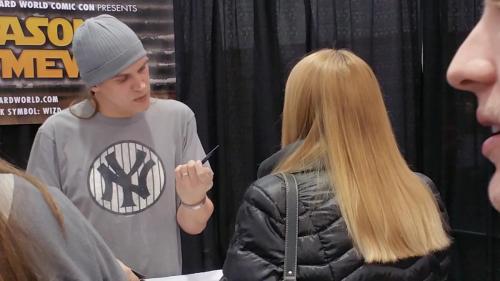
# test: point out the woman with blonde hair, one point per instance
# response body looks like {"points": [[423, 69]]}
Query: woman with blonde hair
{"points": [[363, 214]]}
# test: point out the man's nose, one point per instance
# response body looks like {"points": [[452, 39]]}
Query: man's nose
{"points": [[471, 74], [139, 84]]}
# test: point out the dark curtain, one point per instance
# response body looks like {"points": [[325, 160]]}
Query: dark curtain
{"points": [[452, 143], [232, 60]]}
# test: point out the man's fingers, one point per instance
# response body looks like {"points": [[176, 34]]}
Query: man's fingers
{"points": [[193, 175]]}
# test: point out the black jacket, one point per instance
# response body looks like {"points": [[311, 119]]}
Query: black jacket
{"points": [[325, 251]]}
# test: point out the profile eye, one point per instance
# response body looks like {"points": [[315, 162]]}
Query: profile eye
{"points": [[121, 79]]}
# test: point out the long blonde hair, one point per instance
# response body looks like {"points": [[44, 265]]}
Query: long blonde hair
{"points": [[333, 103]]}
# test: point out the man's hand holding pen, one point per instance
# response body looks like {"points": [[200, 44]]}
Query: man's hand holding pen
{"points": [[193, 181]]}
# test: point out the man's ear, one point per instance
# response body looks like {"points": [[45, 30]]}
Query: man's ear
{"points": [[94, 89]]}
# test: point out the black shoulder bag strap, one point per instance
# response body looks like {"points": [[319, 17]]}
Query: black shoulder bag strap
{"points": [[291, 227]]}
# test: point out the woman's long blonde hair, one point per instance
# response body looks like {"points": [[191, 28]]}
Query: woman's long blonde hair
{"points": [[333, 103]]}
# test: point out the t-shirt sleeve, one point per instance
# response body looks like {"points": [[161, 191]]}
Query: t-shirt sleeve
{"points": [[43, 160], [192, 148], [101, 261], [76, 253]]}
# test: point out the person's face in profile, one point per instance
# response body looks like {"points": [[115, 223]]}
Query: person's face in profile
{"points": [[476, 68]]}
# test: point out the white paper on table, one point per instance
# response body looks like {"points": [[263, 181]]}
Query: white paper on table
{"points": [[214, 275]]}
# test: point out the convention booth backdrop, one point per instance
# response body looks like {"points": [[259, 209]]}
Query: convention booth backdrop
{"points": [[231, 61], [39, 75]]}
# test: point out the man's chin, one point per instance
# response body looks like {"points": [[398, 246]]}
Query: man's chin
{"points": [[494, 190], [143, 105]]}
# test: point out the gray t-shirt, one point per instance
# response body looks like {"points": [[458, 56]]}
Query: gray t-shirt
{"points": [[120, 173], [79, 255]]}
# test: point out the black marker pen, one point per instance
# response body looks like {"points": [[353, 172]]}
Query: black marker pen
{"points": [[209, 154]]}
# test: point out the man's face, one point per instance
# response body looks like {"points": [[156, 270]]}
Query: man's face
{"points": [[476, 68], [125, 94]]}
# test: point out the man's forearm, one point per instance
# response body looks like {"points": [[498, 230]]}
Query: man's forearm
{"points": [[194, 221]]}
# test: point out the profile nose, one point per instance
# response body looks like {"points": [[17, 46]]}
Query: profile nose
{"points": [[471, 75]]}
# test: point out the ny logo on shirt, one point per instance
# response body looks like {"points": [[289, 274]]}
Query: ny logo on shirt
{"points": [[126, 178], [117, 175]]}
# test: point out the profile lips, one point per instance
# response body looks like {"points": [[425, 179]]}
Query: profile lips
{"points": [[495, 130]]}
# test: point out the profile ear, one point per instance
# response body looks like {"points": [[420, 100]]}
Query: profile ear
{"points": [[94, 90]]}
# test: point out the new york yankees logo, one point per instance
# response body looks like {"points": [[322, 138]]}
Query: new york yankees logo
{"points": [[126, 178]]}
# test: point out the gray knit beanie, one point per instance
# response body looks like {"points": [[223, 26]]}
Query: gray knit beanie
{"points": [[103, 46]]}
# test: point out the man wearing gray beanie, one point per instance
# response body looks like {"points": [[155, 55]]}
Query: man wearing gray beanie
{"points": [[129, 162]]}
